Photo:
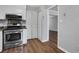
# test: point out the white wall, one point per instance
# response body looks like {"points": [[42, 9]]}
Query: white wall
{"points": [[68, 22], [28, 16], [34, 24], [13, 9], [53, 23], [53, 12], [31, 23], [1, 41], [43, 24], [37, 23]]}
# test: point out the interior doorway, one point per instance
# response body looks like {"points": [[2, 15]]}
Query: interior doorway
{"points": [[53, 24]]}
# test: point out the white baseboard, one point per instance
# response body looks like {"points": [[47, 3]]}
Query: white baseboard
{"points": [[39, 39], [63, 49], [44, 40]]}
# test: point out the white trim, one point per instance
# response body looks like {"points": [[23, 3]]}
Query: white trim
{"points": [[47, 24], [51, 6], [44, 40], [63, 49]]}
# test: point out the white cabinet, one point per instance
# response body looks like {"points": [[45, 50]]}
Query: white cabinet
{"points": [[1, 41], [24, 36]]}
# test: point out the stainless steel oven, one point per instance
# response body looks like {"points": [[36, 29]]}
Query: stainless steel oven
{"points": [[12, 38]]}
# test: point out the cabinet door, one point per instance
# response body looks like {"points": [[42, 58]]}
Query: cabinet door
{"points": [[24, 36], [1, 41]]}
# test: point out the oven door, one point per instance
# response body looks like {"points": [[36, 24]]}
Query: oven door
{"points": [[12, 37]]}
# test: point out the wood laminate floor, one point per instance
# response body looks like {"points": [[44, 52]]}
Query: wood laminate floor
{"points": [[36, 46]]}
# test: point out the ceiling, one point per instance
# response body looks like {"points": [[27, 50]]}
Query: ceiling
{"points": [[54, 8], [37, 7]]}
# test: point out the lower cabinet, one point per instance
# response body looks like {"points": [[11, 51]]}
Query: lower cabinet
{"points": [[1, 41], [24, 36]]}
